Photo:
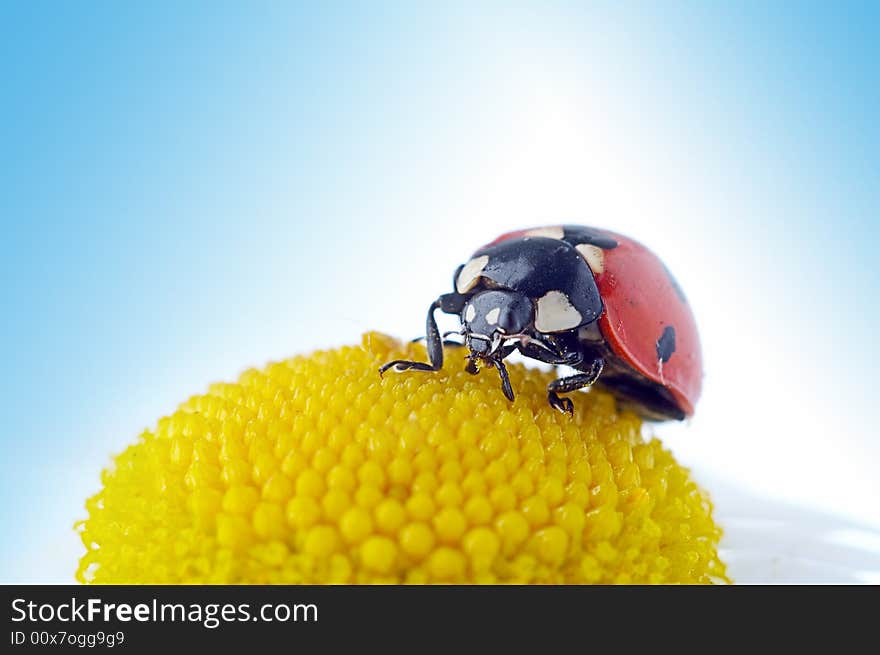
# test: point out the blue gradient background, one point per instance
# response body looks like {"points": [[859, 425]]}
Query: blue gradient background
{"points": [[188, 189]]}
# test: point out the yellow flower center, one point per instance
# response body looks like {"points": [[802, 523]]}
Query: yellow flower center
{"points": [[315, 470]]}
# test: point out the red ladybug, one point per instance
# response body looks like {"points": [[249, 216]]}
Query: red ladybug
{"points": [[590, 299]]}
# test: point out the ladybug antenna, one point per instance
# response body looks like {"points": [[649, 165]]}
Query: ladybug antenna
{"points": [[445, 334]]}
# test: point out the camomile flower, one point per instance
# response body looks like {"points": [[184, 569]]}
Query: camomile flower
{"points": [[316, 470]]}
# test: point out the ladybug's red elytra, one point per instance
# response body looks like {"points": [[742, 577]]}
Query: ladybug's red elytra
{"points": [[582, 297]]}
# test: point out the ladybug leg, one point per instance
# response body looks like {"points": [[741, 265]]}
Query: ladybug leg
{"points": [[503, 352], [572, 383], [505, 379], [556, 357], [434, 343]]}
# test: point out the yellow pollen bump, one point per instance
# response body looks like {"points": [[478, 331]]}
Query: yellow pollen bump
{"points": [[315, 470]]}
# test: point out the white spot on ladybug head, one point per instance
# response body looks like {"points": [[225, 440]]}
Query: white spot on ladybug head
{"points": [[594, 257], [555, 313], [470, 273], [470, 313], [492, 316], [551, 232]]}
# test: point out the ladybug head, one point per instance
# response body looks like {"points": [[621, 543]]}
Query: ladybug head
{"points": [[491, 317]]}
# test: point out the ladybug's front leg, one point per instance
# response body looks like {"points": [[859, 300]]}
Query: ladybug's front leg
{"points": [[450, 303], [573, 383], [501, 354], [505, 379]]}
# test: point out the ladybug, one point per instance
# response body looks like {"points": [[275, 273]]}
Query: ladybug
{"points": [[582, 297]]}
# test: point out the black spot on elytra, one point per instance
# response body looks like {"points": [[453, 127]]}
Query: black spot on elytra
{"points": [[675, 286], [666, 344]]}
